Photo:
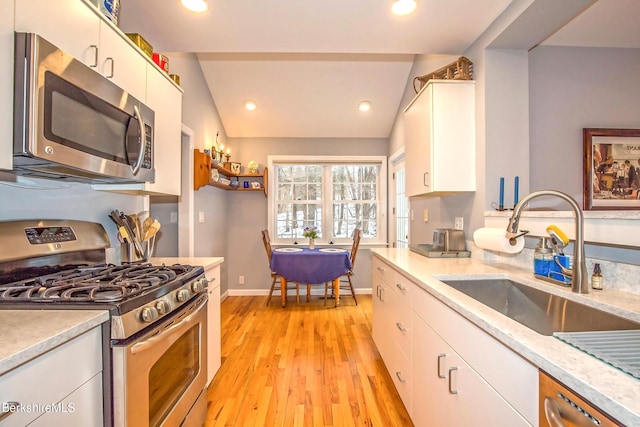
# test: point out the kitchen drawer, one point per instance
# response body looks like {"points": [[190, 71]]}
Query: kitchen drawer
{"points": [[51, 377], [83, 408], [386, 272]]}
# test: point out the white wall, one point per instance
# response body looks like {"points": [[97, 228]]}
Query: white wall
{"points": [[199, 113], [247, 214]]}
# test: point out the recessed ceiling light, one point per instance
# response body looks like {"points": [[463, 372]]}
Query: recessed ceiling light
{"points": [[250, 105], [364, 106], [403, 7], [195, 5]]}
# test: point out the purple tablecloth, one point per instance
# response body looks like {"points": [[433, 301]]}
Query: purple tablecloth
{"points": [[310, 266]]}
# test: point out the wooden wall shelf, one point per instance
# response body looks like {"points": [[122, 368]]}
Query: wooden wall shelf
{"points": [[204, 164]]}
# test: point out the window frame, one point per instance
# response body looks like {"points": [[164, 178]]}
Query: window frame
{"points": [[381, 195]]}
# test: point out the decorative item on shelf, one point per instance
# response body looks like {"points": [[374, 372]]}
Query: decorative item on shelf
{"points": [[109, 8], [255, 184], [224, 181], [175, 78], [215, 175], [162, 61], [235, 167], [462, 69], [252, 167], [234, 184], [311, 233], [139, 41], [245, 184]]}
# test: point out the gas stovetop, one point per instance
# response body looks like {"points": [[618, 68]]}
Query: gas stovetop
{"points": [[108, 284], [61, 264]]}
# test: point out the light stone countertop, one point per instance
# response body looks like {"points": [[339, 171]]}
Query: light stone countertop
{"points": [[205, 262], [608, 388], [27, 334]]}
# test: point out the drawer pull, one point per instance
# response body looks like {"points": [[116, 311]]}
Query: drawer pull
{"points": [[440, 357], [401, 326], [401, 287], [95, 56], [111, 71], [380, 269], [399, 375], [451, 390], [10, 407]]}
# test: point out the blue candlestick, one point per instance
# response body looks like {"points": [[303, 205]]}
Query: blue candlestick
{"points": [[515, 191], [501, 204]]}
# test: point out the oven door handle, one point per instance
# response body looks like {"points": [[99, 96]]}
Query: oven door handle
{"points": [[150, 342]]}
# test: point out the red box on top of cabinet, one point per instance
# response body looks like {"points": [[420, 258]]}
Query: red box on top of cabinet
{"points": [[162, 61]]}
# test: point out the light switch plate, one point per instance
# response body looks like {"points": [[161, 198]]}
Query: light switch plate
{"points": [[458, 223], [425, 215]]}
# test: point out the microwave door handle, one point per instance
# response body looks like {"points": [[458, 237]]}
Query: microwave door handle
{"points": [[143, 139]]}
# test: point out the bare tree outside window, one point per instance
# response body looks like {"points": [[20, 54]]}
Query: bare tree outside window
{"points": [[307, 192]]}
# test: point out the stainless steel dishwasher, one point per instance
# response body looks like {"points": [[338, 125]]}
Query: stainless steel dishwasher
{"points": [[561, 407]]}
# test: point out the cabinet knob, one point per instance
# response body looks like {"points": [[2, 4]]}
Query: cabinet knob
{"points": [[402, 287]]}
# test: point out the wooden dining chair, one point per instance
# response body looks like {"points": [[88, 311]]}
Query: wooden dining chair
{"points": [[276, 280], [345, 280]]}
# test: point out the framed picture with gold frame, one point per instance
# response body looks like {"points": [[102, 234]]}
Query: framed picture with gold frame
{"points": [[611, 169]]}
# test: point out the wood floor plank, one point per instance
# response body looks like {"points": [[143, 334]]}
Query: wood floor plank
{"points": [[302, 365]]}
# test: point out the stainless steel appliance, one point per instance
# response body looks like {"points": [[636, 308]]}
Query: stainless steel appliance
{"points": [[72, 123], [155, 343], [559, 406]]}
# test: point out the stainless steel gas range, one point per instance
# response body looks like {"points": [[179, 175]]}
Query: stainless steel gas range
{"points": [[154, 356]]}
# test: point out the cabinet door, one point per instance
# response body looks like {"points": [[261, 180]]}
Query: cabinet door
{"points": [[213, 323], [439, 132], [69, 24], [431, 405], [122, 63], [6, 85], [166, 101], [417, 137]]}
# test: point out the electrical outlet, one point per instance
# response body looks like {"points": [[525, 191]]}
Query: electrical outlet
{"points": [[174, 217], [241, 280], [458, 223]]}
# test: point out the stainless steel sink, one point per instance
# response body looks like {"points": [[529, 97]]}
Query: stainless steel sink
{"points": [[543, 312]]}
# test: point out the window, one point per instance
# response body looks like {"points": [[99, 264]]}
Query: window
{"points": [[334, 194]]}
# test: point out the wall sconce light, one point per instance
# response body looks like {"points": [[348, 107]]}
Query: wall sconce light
{"points": [[195, 5], [403, 7]]}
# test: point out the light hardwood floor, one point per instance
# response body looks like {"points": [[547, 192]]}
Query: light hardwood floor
{"points": [[303, 365]]}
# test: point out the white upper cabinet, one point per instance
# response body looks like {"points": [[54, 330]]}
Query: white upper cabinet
{"points": [[6, 85], [440, 137], [78, 28]]}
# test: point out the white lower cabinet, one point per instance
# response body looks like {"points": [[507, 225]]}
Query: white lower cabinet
{"points": [[447, 371], [213, 322], [62, 387]]}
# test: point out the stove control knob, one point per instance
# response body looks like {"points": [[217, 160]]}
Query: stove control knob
{"points": [[182, 295], [199, 286], [149, 314], [162, 307]]}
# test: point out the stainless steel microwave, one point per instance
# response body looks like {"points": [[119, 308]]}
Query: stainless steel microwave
{"points": [[72, 123]]}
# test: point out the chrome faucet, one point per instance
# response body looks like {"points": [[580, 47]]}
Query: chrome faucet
{"points": [[579, 278]]}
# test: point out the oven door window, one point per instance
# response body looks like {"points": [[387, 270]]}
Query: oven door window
{"points": [[172, 374], [82, 121]]}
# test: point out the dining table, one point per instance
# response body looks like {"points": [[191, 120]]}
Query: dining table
{"points": [[310, 266]]}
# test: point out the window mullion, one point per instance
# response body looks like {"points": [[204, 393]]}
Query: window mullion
{"points": [[327, 204]]}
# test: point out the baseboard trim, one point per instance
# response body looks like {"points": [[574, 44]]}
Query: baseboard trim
{"points": [[315, 290]]}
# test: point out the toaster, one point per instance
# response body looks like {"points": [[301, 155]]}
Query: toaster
{"points": [[448, 240]]}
